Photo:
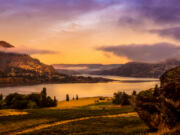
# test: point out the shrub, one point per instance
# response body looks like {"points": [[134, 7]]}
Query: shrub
{"points": [[19, 101], [77, 97], [134, 93], [1, 97], [67, 97], [35, 98], [31, 104], [121, 98]]}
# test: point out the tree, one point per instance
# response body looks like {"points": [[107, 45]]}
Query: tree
{"points": [[77, 97], [55, 101], [156, 89], [121, 98], [73, 98], [43, 98], [67, 97], [1, 97], [134, 93]]}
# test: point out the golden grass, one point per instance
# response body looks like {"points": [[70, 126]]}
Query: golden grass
{"points": [[11, 112], [10, 126], [79, 103], [132, 114]]}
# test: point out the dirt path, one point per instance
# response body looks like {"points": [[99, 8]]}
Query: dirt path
{"points": [[73, 120]]}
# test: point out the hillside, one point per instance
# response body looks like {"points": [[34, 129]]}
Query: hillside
{"points": [[135, 69], [22, 69], [83, 68]]}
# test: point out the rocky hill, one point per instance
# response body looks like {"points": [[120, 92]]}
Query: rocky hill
{"points": [[22, 69], [160, 107], [136, 69]]}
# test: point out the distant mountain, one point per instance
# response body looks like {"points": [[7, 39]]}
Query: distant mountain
{"points": [[22, 69], [5, 44], [83, 68], [136, 69]]}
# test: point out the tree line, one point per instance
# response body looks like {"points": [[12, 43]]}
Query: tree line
{"points": [[30, 101]]}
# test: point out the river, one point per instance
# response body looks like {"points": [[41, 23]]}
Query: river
{"points": [[126, 84]]}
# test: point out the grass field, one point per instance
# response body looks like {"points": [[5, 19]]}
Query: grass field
{"points": [[35, 117], [100, 126]]}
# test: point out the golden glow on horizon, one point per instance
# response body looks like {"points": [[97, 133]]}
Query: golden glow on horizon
{"points": [[75, 38]]}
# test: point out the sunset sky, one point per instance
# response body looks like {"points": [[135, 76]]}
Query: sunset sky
{"points": [[92, 31]]}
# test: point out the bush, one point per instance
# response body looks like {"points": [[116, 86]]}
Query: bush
{"points": [[134, 93], [19, 101], [31, 104], [77, 97], [1, 97], [67, 97], [121, 98]]}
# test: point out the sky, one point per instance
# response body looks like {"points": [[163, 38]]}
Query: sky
{"points": [[92, 31]]}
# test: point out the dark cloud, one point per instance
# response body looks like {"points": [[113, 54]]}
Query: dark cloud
{"points": [[173, 33], [158, 11], [144, 52], [51, 8], [30, 51], [5, 44], [164, 14]]}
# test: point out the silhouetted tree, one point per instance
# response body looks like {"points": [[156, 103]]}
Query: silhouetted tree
{"points": [[156, 89], [77, 97], [73, 98], [1, 97], [55, 101], [44, 98], [134, 93], [67, 97], [121, 98]]}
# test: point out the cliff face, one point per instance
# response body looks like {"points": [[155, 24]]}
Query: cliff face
{"points": [[135, 69], [160, 107]]}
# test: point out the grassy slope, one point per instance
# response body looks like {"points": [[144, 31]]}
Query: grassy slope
{"points": [[100, 126], [36, 117]]}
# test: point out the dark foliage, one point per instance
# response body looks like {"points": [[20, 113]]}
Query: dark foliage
{"points": [[20, 101], [121, 98], [1, 97], [67, 97], [77, 97], [134, 93]]}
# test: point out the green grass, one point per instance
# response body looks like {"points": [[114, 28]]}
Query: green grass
{"points": [[99, 126], [40, 116]]}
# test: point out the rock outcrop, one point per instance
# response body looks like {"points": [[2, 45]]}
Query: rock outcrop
{"points": [[160, 107]]}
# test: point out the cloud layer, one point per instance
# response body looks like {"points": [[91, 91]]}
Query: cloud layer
{"points": [[163, 14], [30, 51], [144, 52]]}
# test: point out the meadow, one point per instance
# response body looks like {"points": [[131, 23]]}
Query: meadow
{"points": [[101, 117]]}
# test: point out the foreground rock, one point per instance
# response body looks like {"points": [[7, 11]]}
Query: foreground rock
{"points": [[22, 69], [160, 107]]}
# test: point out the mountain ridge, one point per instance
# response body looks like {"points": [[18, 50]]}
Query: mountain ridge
{"points": [[140, 69]]}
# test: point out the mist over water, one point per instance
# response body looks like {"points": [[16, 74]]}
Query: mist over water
{"points": [[126, 84]]}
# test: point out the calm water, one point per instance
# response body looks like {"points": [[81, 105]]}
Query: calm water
{"points": [[87, 89]]}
